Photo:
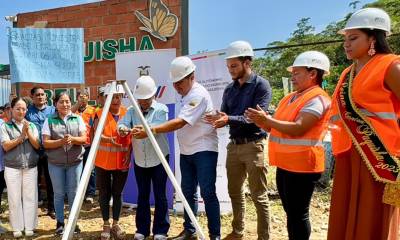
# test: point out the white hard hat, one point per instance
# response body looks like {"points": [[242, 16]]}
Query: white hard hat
{"points": [[119, 89], [145, 88], [312, 59], [369, 18], [180, 68], [239, 49], [101, 90]]}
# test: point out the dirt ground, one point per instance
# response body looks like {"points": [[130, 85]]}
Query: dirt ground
{"points": [[90, 221]]}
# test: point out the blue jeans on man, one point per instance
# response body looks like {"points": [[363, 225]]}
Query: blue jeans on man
{"points": [[201, 169], [145, 178]]}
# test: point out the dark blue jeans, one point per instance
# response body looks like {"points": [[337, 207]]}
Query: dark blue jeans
{"points": [[201, 169], [145, 177], [91, 188]]}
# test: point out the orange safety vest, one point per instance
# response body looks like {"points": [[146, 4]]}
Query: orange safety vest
{"points": [[304, 154], [109, 156], [380, 105], [87, 116]]}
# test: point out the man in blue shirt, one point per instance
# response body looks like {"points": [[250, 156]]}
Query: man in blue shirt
{"points": [[37, 114], [148, 168], [198, 146], [246, 152]]}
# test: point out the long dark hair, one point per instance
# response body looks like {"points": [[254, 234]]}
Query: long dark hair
{"points": [[381, 44]]}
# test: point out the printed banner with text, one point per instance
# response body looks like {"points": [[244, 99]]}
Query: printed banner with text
{"points": [[46, 55], [212, 73]]}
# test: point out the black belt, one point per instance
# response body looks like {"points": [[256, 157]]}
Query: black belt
{"points": [[246, 140]]}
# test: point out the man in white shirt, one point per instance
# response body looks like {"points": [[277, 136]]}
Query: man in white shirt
{"points": [[198, 145]]}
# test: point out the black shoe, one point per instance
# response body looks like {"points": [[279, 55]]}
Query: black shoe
{"points": [[213, 237], [184, 235], [51, 214], [77, 229], [59, 228]]}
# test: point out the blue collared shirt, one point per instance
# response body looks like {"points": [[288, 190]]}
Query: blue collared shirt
{"points": [[145, 155], [38, 116], [236, 99]]}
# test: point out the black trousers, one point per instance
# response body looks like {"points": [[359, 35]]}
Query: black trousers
{"points": [[110, 183], [2, 185], [43, 168], [295, 190]]}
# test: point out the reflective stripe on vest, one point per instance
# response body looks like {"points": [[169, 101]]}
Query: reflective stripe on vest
{"points": [[296, 142], [381, 115], [334, 118], [113, 149]]}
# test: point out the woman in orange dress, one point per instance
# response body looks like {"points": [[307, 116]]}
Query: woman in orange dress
{"points": [[366, 134]]}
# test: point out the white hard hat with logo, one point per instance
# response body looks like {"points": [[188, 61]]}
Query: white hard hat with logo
{"points": [[368, 18], [180, 68], [119, 89], [145, 88], [312, 59], [239, 49]]}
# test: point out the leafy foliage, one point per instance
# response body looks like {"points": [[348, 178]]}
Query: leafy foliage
{"points": [[273, 64]]}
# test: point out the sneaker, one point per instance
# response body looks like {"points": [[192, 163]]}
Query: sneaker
{"points": [[17, 234], [60, 228], [160, 237], [89, 200], [29, 233], [185, 236], [139, 236]]}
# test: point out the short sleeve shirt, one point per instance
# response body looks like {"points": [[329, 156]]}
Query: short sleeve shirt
{"points": [[197, 135], [81, 126]]}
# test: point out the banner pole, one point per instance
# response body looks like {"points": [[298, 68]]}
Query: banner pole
{"points": [[163, 161], [80, 193]]}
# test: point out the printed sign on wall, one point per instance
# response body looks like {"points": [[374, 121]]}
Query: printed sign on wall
{"points": [[46, 55]]}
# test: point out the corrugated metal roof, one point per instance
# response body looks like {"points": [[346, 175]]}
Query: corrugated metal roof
{"points": [[5, 90]]}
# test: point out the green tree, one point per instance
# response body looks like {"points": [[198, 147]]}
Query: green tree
{"points": [[273, 64]]}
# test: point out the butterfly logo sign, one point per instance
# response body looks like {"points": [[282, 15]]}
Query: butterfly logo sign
{"points": [[161, 23]]}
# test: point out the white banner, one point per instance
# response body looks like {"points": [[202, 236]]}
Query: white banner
{"points": [[285, 83], [155, 63], [212, 73]]}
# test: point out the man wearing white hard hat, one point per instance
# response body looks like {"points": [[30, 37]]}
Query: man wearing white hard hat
{"points": [[366, 134], [246, 150], [295, 142], [148, 168], [198, 144]]}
